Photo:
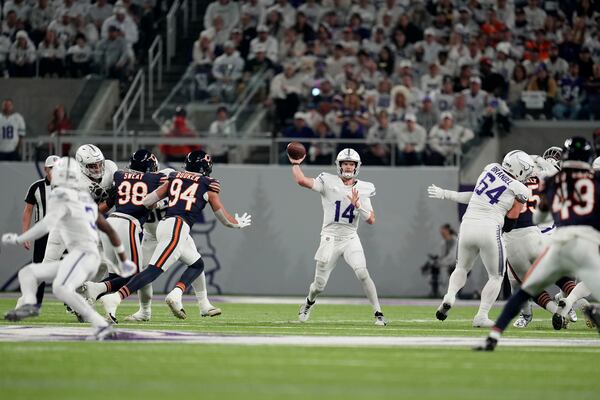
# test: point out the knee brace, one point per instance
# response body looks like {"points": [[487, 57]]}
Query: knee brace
{"points": [[362, 274]]}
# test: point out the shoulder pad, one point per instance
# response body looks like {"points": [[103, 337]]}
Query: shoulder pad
{"points": [[213, 185], [368, 188], [110, 166]]}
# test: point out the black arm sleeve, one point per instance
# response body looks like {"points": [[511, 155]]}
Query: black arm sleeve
{"points": [[112, 196], [509, 224]]}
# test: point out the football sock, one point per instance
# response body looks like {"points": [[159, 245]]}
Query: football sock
{"points": [[29, 284], [489, 294], [578, 293], [371, 291], [457, 281], [199, 286], [313, 292], [114, 282], [511, 309], [545, 301], [145, 295], [191, 273], [39, 295], [78, 303], [140, 280], [566, 285]]}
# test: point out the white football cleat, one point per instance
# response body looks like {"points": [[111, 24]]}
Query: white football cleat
{"points": [[210, 311], [102, 333], [523, 321], [479, 322], [91, 291], [572, 315], [110, 303], [379, 319], [139, 316], [304, 312], [174, 302]]}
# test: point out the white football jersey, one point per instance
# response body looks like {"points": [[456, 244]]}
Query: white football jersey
{"points": [[339, 217], [74, 213], [107, 180], [494, 195], [12, 128]]}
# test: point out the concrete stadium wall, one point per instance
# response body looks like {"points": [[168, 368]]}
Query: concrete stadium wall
{"points": [[35, 99], [275, 255]]}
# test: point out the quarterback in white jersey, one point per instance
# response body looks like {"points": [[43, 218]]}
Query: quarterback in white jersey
{"points": [[74, 217], [345, 201], [494, 207]]}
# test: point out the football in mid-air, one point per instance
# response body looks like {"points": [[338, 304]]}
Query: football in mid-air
{"points": [[296, 150]]}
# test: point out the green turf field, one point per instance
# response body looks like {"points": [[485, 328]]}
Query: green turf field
{"points": [[91, 370]]}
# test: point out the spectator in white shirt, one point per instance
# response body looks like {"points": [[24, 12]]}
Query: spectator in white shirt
{"points": [[22, 56], [51, 54], [432, 81], [284, 93], [12, 126], [99, 12], [40, 17], [535, 15], [445, 141], [63, 28], [410, 141], [20, 7], [124, 22], [264, 39], [227, 71], [10, 24], [79, 57], [313, 12], [255, 11], [288, 13], [221, 128], [228, 10]]}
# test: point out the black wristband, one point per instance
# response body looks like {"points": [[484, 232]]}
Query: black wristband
{"points": [[509, 224]]}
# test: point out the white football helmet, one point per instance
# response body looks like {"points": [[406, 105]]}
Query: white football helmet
{"points": [[596, 164], [519, 164], [66, 173], [91, 161], [347, 155], [554, 156]]}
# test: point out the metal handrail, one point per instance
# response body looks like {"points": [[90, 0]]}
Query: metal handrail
{"points": [[134, 95], [185, 9], [171, 32], [155, 62], [188, 73]]}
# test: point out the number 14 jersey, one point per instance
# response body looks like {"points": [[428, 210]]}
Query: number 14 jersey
{"points": [[494, 195], [339, 216]]}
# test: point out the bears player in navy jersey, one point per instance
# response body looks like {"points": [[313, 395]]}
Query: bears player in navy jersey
{"points": [[188, 193], [573, 199]]}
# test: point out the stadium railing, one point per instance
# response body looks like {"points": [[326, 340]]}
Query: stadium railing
{"points": [[171, 33], [155, 67], [135, 95]]}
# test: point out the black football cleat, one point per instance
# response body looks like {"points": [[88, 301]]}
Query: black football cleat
{"points": [[489, 345], [442, 311], [559, 322], [25, 311], [592, 313]]}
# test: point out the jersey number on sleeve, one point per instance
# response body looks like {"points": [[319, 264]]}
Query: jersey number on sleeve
{"points": [[93, 217], [133, 193], [585, 188], [188, 195], [493, 193], [348, 212]]}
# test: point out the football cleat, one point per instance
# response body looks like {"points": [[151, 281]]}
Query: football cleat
{"points": [[110, 303], [91, 291], [442, 311], [572, 315], [489, 345], [103, 333], [379, 319], [173, 300], [559, 322], [592, 313], [482, 322], [523, 321], [25, 311], [212, 311], [139, 316], [304, 312]]}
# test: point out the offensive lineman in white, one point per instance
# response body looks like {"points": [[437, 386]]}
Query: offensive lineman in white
{"points": [[74, 217], [345, 200], [494, 207]]}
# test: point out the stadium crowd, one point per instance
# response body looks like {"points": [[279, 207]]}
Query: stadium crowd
{"points": [[428, 76], [73, 38]]}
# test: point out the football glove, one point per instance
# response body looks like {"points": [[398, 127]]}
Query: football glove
{"points": [[9, 238], [435, 192], [128, 268], [243, 221]]}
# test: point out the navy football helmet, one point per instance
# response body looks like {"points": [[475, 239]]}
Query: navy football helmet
{"points": [[143, 161], [577, 153], [199, 161]]}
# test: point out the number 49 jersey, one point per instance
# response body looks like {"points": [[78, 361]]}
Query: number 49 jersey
{"points": [[188, 195], [339, 216], [494, 195], [132, 187], [576, 203]]}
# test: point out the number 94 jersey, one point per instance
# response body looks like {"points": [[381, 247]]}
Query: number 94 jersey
{"points": [[188, 195], [494, 195], [339, 216]]}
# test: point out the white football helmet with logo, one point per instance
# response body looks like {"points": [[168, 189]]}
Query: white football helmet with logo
{"points": [[91, 161], [67, 174], [347, 155], [519, 164]]}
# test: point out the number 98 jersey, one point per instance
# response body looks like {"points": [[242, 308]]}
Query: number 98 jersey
{"points": [[188, 195], [494, 195], [339, 216], [132, 187], [574, 203]]}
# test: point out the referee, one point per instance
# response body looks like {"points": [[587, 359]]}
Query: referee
{"points": [[35, 205]]}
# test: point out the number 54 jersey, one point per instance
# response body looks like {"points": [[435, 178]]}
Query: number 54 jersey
{"points": [[494, 195], [339, 216]]}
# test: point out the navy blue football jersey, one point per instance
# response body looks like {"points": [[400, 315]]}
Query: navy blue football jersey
{"points": [[188, 195], [576, 203], [132, 187], [526, 217]]}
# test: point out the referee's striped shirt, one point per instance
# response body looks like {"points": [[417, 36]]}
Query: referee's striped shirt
{"points": [[36, 196]]}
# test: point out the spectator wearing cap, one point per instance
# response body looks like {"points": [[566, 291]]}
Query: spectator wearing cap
{"points": [[445, 141], [570, 95], [258, 63], [124, 22], [284, 93], [427, 115], [473, 54], [557, 66], [51, 55], [377, 151], [22, 56], [532, 62], [432, 80], [178, 127], [542, 81], [350, 41], [456, 47], [476, 100], [518, 83], [99, 12], [40, 17], [503, 64], [226, 9], [410, 141], [430, 46], [496, 114], [220, 128], [227, 72], [79, 57], [540, 43], [264, 40], [373, 44], [112, 55]]}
